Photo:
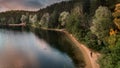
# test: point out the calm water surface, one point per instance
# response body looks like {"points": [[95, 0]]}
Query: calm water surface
{"points": [[38, 49]]}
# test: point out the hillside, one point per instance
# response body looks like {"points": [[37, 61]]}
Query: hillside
{"points": [[95, 23]]}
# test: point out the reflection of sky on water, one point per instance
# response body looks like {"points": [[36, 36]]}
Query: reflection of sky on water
{"points": [[26, 47]]}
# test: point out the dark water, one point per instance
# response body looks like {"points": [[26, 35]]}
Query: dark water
{"points": [[37, 49]]}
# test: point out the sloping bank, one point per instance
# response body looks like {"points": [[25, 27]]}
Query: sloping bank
{"points": [[91, 61]]}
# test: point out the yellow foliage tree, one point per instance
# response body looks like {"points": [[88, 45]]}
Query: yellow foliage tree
{"points": [[116, 15], [113, 32]]}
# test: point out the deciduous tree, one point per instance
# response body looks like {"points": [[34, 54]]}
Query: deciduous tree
{"points": [[116, 16], [63, 18], [45, 20], [23, 18], [101, 23]]}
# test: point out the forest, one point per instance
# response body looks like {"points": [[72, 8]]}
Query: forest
{"points": [[95, 23]]}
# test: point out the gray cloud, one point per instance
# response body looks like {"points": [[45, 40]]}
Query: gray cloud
{"points": [[34, 4], [25, 4]]}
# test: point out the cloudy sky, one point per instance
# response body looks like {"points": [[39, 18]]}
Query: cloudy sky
{"points": [[31, 5]]}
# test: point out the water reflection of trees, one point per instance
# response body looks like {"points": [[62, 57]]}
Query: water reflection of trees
{"points": [[63, 43]]}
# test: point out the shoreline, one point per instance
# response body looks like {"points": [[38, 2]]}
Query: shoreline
{"points": [[91, 61]]}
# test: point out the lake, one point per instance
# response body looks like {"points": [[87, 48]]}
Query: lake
{"points": [[38, 49]]}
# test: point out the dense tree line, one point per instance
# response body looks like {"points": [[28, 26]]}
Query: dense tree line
{"points": [[12, 16]]}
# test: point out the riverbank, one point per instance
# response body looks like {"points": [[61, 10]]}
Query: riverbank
{"points": [[91, 61], [14, 25]]}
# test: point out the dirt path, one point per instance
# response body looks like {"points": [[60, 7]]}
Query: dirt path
{"points": [[91, 61], [14, 25], [21, 24]]}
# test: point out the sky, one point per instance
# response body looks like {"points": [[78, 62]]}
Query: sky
{"points": [[31, 5]]}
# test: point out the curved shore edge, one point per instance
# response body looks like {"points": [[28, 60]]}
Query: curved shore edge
{"points": [[91, 61]]}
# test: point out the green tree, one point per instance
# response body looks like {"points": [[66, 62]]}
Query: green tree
{"points": [[3, 20], [75, 23], [54, 19], [33, 20], [101, 23], [112, 58], [45, 20], [23, 18], [75, 16], [11, 20], [63, 18]]}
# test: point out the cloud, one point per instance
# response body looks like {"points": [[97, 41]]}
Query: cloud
{"points": [[33, 4], [25, 4]]}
